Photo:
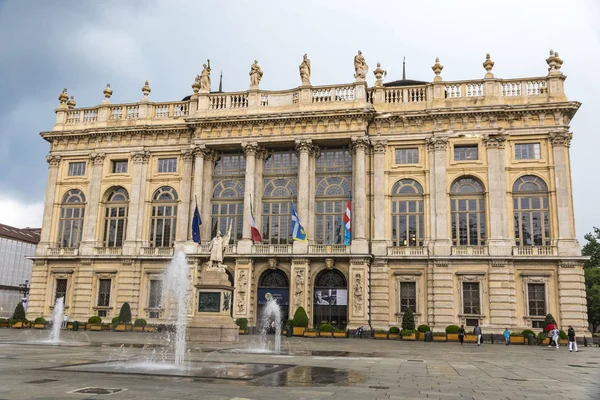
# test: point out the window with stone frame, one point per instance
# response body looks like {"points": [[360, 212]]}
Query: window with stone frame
{"points": [[228, 195], [466, 152], [527, 151], [531, 212], [163, 219], [407, 156], [166, 165], [115, 217], [70, 225], [408, 296], [536, 298], [77, 168], [407, 213], [104, 286], [60, 289], [471, 298], [155, 296], [119, 166], [467, 209]]}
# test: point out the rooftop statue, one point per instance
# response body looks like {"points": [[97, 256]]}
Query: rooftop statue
{"points": [[205, 77], [360, 67], [305, 70], [255, 75]]}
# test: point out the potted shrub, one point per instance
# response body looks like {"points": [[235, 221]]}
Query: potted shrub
{"points": [[439, 337], [39, 323], [408, 334], [124, 319], [516, 338], [242, 323], [113, 323], [408, 320], [300, 321], [4, 323], [95, 323], [308, 332], [150, 328], [563, 338], [526, 334], [543, 339], [452, 333], [339, 333], [422, 329], [381, 334], [326, 330], [19, 317], [289, 328], [394, 333], [139, 325]]}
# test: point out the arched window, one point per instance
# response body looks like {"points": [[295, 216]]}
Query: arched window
{"points": [[407, 213], [115, 217], [467, 207], [331, 298], [72, 211], [531, 211], [163, 221], [277, 213], [228, 204]]}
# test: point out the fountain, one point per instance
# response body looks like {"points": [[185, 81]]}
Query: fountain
{"points": [[271, 313], [57, 320], [176, 284]]}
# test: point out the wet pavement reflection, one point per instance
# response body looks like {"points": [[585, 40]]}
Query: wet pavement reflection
{"points": [[310, 376]]}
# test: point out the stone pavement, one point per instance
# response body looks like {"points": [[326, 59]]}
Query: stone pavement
{"points": [[321, 368]]}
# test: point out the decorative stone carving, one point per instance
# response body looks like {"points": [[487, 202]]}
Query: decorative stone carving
{"points": [[379, 74], [500, 263], [360, 67], [495, 140], [242, 284], [561, 138], [196, 84], [437, 142], [272, 263], [71, 103], [204, 80], [250, 148], [329, 263], [140, 156], [488, 64], [568, 264], [437, 70], [146, 89], [187, 154], [359, 143], [107, 92], [303, 145], [441, 263], [97, 158], [379, 146], [210, 155], [53, 160], [255, 75], [305, 70], [358, 292], [218, 247], [299, 288], [554, 63], [63, 96]]}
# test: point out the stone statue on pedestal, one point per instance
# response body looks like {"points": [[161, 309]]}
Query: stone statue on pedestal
{"points": [[205, 77], [255, 75], [360, 67], [305, 70], [218, 248]]}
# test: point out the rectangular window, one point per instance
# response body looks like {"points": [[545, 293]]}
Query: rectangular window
{"points": [[407, 156], [167, 165], [154, 299], [77, 169], [408, 296], [60, 290], [119, 167], [104, 293], [471, 301], [537, 299], [527, 151], [466, 152]]}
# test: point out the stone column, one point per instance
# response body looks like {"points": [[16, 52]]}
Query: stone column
{"points": [[135, 219], [53, 164], [299, 285], [207, 191], [572, 297], [379, 245], [359, 198], [41, 283], [498, 240], [314, 154], [567, 245], [82, 289], [443, 295], [502, 290], [183, 212], [302, 150], [439, 199], [358, 289], [250, 148], [380, 294], [244, 268], [91, 231], [259, 187], [197, 182]]}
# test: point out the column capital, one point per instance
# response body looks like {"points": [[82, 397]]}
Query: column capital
{"points": [[199, 150], [97, 158], [561, 138], [250, 148], [437, 142], [140, 156], [261, 153], [303, 145], [359, 143], [495, 140], [53, 160], [188, 154], [379, 146], [210, 154]]}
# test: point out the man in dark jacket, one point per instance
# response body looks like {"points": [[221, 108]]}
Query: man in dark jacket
{"points": [[572, 339]]}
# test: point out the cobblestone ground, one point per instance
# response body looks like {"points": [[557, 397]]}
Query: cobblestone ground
{"points": [[320, 368]]}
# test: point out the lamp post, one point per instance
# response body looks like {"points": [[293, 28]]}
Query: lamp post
{"points": [[24, 289]]}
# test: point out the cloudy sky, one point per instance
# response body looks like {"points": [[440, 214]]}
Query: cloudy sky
{"points": [[82, 45]]}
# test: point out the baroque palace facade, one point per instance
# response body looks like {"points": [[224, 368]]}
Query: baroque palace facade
{"points": [[461, 200]]}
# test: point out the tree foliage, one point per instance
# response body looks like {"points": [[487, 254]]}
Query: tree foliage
{"points": [[19, 313], [125, 314], [592, 276], [408, 320]]}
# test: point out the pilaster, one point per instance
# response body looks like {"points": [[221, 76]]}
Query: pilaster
{"points": [[259, 187], [437, 145], [314, 153], [93, 204], [242, 290], [207, 191], [53, 164], [359, 198], [379, 245], [502, 292], [250, 149], [302, 150], [572, 297], [443, 295], [183, 214], [358, 284], [40, 284], [83, 280], [299, 285], [196, 196], [139, 172], [380, 299]]}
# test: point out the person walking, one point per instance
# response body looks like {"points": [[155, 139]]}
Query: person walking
{"points": [[572, 339], [461, 334], [477, 332], [507, 336], [555, 335]]}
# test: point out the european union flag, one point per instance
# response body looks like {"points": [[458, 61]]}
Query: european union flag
{"points": [[196, 222], [298, 232]]}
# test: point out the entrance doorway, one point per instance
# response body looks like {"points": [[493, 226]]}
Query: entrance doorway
{"points": [[274, 282], [331, 299]]}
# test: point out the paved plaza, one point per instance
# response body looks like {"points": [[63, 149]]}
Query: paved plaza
{"points": [[320, 368]]}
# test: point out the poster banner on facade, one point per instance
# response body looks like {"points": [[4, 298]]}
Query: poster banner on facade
{"points": [[282, 296], [331, 297]]}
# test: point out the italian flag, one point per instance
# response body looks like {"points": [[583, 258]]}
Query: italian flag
{"points": [[253, 228]]}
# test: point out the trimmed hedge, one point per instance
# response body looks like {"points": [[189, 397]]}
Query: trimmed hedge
{"points": [[423, 328], [39, 320], [326, 328], [452, 329], [125, 314], [300, 318], [114, 322], [19, 313], [562, 335], [140, 322], [407, 332], [242, 323], [527, 332], [94, 319], [395, 330], [408, 320]]}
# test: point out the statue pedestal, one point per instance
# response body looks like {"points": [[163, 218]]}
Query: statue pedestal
{"points": [[211, 321]]}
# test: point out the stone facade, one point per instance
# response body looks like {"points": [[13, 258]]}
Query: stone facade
{"points": [[460, 191]]}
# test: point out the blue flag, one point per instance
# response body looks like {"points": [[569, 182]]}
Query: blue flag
{"points": [[196, 222], [298, 232]]}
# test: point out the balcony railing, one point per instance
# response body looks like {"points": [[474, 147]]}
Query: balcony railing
{"points": [[328, 249], [407, 251], [470, 250], [157, 251], [108, 251], [272, 249], [535, 251], [63, 251]]}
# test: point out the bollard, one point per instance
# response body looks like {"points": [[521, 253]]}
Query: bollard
{"points": [[585, 342]]}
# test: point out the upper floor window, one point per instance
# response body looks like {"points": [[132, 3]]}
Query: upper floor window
{"points": [[407, 213], [281, 162], [527, 151], [531, 212], [119, 167], [331, 201], [334, 160], [228, 204], [77, 168], [115, 217], [277, 214], [467, 208], [167, 165], [70, 226], [230, 164], [164, 217], [466, 152], [407, 156]]}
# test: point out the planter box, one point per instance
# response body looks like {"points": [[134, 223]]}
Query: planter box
{"points": [[563, 341], [123, 328], [470, 339], [94, 327], [442, 338], [394, 336], [517, 340], [339, 334], [451, 337], [325, 334], [39, 326], [138, 328], [242, 331], [18, 325], [309, 334], [299, 330], [149, 329], [87, 327], [381, 335], [412, 337], [4, 325], [546, 342]]}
